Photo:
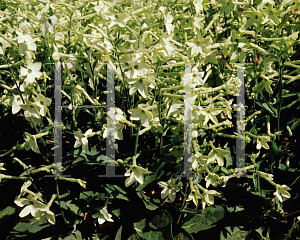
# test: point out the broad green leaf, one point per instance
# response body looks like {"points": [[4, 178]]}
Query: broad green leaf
{"points": [[6, 213], [116, 191], [204, 220], [157, 228], [32, 226]]}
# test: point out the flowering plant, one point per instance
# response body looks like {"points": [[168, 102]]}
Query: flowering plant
{"points": [[144, 106]]}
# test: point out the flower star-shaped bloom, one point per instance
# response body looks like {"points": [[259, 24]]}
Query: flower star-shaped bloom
{"points": [[228, 109], [198, 45], [103, 216], [210, 113], [16, 104], [217, 154], [37, 209], [209, 197], [165, 42], [30, 207], [239, 54], [118, 127], [135, 173], [31, 109], [24, 36], [42, 102], [116, 113], [197, 159], [81, 139], [101, 7], [262, 142], [194, 78], [139, 69], [31, 73], [30, 142], [106, 45], [282, 191], [212, 179], [119, 19], [140, 113], [194, 195], [168, 23], [169, 189]]}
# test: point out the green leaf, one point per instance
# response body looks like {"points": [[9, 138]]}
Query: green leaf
{"points": [[74, 236], [160, 227], [116, 191], [146, 199], [7, 213], [183, 235], [117, 212], [32, 226], [90, 196], [205, 219], [270, 109], [226, 7], [119, 234], [295, 124], [238, 235]]}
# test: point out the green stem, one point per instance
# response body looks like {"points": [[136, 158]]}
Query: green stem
{"points": [[59, 202]]}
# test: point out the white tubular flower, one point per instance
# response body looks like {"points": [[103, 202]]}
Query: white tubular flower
{"points": [[118, 131], [24, 33], [135, 173], [140, 113], [103, 216], [36, 208], [81, 139], [31, 109], [262, 142], [169, 189], [31, 73], [194, 195], [212, 179], [30, 142], [282, 191], [42, 102], [217, 154], [209, 197]]}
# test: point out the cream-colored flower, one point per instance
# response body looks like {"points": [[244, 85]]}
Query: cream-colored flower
{"points": [[169, 189], [209, 197], [194, 195], [212, 179], [282, 191], [262, 142], [103, 216], [82, 139], [135, 173]]}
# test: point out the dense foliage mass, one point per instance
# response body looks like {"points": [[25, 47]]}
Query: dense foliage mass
{"points": [[158, 51]]}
